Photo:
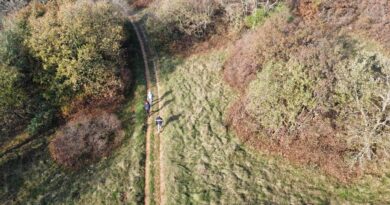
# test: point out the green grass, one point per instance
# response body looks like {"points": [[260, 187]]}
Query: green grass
{"points": [[260, 15], [205, 163], [153, 173], [29, 175]]}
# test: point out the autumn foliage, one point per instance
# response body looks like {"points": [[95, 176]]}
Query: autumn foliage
{"points": [[86, 138], [314, 86], [62, 56]]}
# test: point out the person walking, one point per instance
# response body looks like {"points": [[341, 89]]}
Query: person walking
{"points": [[147, 107], [150, 97], [159, 123]]}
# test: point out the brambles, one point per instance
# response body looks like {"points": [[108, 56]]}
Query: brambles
{"points": [[86, 138]]}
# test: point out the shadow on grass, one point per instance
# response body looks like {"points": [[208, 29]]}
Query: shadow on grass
{"points": [[12, 172], [166, 103], [173, 118], [166, 94], [157, 47]]}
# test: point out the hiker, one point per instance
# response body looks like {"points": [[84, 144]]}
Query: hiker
{"points": [[147, 107], [150, 97], [159, 123]]}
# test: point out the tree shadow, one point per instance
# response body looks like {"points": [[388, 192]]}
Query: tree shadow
{"points": [[158, 50]]}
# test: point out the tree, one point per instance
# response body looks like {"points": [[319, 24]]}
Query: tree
{"points": [[363, 96], [79, 46]]}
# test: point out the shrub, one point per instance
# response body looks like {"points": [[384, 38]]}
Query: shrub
{"points": [[41, 121], [86, 138], [12, 50], [280, 93], [141, 3], [234, 15], [178, 18], [363, 99], [14, 103], [268, 42], [79, 46], [66, 55]]}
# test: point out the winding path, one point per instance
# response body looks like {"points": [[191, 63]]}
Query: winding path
{"points": [[151, 84]]}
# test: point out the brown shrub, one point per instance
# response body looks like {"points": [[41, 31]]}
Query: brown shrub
{"points": [[319, 38], [315, 144], [139, 4], [86, 138], [273, 40]]}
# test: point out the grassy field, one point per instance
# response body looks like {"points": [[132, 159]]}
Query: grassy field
{"points": [[206, 164], [29, 176]]}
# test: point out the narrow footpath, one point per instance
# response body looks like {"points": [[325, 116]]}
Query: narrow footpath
{"points": [[155, 166]]}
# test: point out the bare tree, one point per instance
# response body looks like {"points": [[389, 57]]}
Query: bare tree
{"points": [[365, 96]]}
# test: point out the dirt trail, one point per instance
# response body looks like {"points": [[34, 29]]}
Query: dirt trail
{"points": [[151, 84]]}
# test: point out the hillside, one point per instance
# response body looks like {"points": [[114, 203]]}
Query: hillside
{"points": [[262, 101]]}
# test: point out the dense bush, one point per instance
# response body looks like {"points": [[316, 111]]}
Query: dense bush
{"points": [[279, 94], [79, 47], [41, 121], [179, 18], [254, 49], [339, 103], [363, 99], [86, 138], [63, 56]]}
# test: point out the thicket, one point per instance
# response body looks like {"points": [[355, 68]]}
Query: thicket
{"points": [[280, 93], [180, 18], [58, 58], [86, 138], [188, 21], [313, 90], [362, 95]]}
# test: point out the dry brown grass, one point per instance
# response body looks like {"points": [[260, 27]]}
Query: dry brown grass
{"points": [[86, 138]]}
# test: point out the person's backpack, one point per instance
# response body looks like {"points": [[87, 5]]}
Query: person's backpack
{"points": [[147, 106], [159, 121]]}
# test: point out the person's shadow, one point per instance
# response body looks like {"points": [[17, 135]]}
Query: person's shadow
{"points": [[166, 94], [169, 92], [173, 118], [166, 103]]}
